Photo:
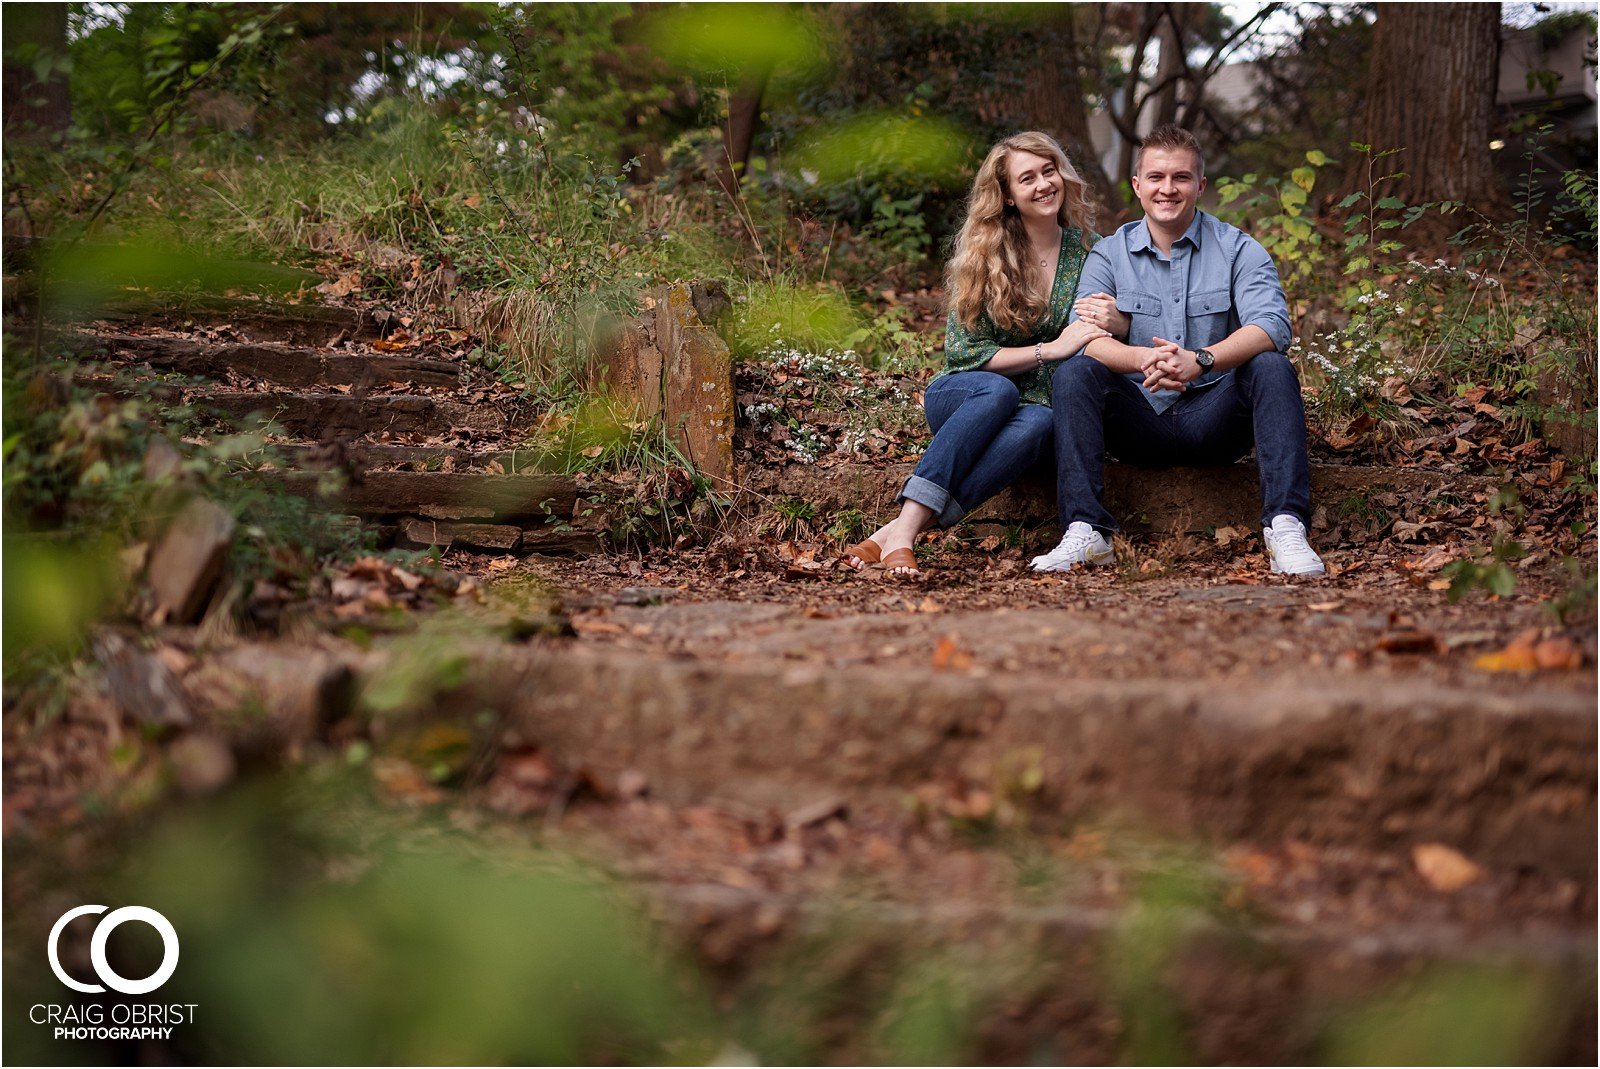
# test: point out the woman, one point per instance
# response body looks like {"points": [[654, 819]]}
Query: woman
{"points": [[1011, 283]]}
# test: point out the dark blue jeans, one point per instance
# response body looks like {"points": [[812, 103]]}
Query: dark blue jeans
{"points": [[983, 439], [1259, 405]]}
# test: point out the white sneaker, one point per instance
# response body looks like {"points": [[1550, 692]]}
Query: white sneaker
{"points": [[1287, 546], [1081, 544]]}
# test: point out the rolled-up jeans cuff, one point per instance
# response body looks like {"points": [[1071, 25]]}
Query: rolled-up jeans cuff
{"points": [[947, 509]]}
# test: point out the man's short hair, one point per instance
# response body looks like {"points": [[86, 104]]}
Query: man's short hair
{"points": [[1171, 136]]}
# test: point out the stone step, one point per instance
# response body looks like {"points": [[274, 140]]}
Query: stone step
{"points": [[1226, 990], [314, 325], [1506, 777], [448, 496], [281, 364], [1190, 499], [330, 415], [371, 456]]}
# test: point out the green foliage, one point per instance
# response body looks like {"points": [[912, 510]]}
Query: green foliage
{"points": [[1275, 209], [911, 148], [1450, 1017], [1490, 568], [418, 950], [794, 516]]}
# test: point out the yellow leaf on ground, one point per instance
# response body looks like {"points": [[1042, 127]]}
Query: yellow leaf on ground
{"points": [[1445, 868]]}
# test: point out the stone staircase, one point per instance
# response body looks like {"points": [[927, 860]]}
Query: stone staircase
{"points": [[426, 453]]}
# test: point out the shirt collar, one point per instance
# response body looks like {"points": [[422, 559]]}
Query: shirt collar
{"points": [[1139, 239]]}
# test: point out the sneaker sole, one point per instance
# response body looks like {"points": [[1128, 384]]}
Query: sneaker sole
{"points": [[1277, 570], [1090, 562]]}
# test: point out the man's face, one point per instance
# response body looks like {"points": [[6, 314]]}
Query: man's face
{"points": [[1168, 186]]}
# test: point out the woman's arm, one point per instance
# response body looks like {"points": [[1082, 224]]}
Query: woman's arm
{"points": [[977, 350]]}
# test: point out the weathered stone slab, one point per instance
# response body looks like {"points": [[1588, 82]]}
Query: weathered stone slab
{"points": [[298, 324], [187, 562], [435, 494], [285, 365], [560, 543], [489, 537], [699, 401], [630, 369], [319, 414], [671, 365]]}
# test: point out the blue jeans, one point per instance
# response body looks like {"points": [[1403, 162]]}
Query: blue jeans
{"points": [[1258, 405], [983, 439]]}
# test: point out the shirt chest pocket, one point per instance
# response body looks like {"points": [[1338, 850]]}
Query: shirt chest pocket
{"points": [[1144, 312], [1209, 312]]}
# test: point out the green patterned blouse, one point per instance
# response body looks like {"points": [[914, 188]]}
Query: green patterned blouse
{"points": [[968, 350]]}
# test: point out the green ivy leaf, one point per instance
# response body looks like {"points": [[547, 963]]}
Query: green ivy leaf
{"points": [[1394, 203], [1317, 157]]}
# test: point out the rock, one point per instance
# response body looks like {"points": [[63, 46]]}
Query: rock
{"points": [[670, 364], [201, 764], [497, 538], [292, 693], [141, 683], [187, 562]]}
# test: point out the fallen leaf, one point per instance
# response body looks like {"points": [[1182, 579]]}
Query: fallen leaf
{"points": [[929, 605], [1513, 658], [342, 286], [947, 654], [1558, 652], [1444, 868], [1430, 561], [1226, 535]]}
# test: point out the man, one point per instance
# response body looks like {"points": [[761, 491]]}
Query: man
{"points": [[1202, 376]]}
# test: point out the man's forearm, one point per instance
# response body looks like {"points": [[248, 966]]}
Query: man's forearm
{"points": [[1240, 346], [1116, 355]]}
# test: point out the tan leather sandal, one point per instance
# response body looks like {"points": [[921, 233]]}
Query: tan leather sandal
{"points": [[866, 551], [901, 558]]}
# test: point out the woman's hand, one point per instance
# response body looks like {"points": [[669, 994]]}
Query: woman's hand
{"points": [[1075, 337], [1100, 309]]}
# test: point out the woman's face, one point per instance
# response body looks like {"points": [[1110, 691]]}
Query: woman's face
{"points": [[1034, 185]]}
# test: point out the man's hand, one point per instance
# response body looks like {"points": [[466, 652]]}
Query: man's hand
{"points": [[1170, 366]]}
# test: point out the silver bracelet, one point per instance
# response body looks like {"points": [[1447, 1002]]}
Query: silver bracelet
{"points": [[1038, 353]]}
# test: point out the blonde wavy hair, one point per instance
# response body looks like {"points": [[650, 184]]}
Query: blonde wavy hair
{"points": [[988, 270]]}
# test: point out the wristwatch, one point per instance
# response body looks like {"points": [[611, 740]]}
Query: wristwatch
{"points": [[1204, 358]]}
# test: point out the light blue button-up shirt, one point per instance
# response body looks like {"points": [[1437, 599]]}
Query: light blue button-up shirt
{"points": [[1217, 280]]}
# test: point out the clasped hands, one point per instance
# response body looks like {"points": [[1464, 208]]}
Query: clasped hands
{"points": [[1168, 366]]}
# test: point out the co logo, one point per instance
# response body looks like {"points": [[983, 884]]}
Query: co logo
{"points": [[97, 950]]}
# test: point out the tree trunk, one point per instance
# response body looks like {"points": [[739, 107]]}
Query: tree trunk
{"points": [[1055, 102], [1171, 66], [35, 107], [738, 137], [1431, 93]]}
